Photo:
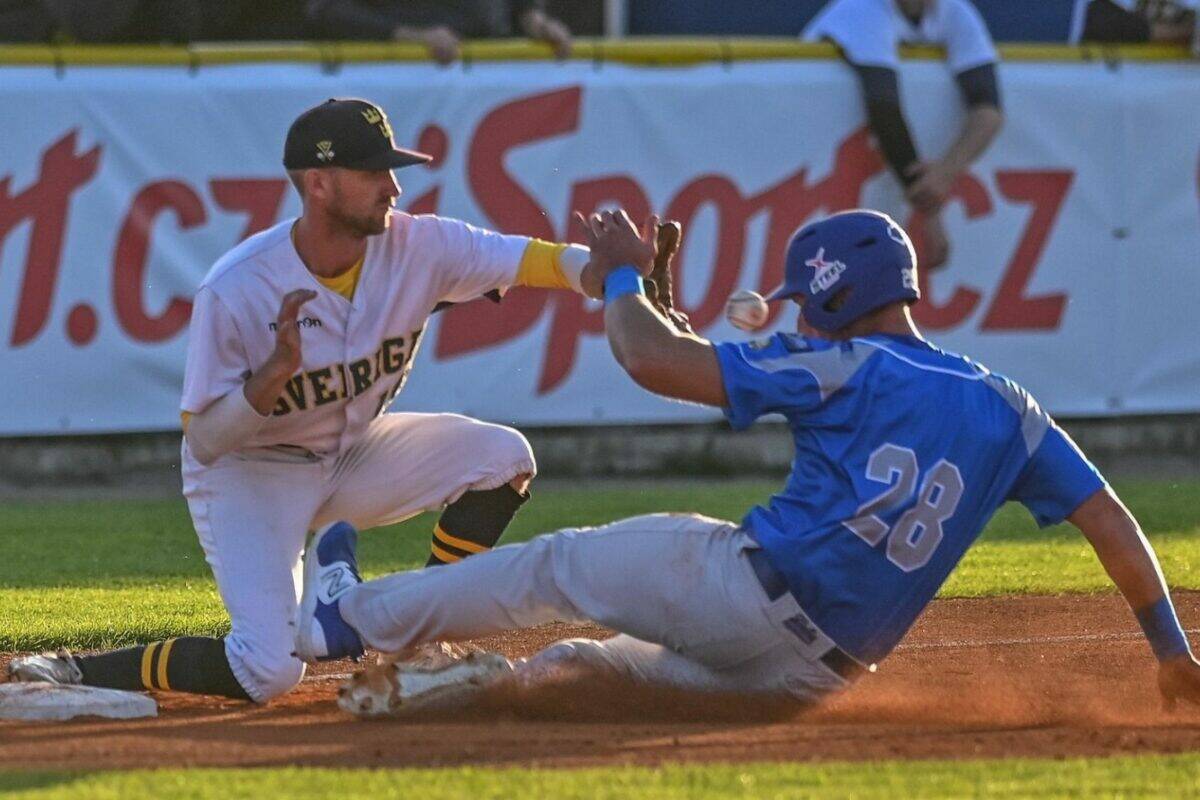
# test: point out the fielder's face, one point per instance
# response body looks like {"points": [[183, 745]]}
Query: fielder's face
{"points": [[361, 200]]}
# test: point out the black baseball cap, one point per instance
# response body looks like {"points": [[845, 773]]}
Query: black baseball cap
{"points": [[348, 133]]}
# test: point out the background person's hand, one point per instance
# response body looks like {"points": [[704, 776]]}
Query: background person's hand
{"points": [[932, 185], [937, 243], [541, 26], [443, 44]]}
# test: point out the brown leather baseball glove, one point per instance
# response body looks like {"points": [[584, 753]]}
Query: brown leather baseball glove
{"points": [[659, 289]]}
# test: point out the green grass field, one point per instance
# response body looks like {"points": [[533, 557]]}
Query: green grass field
{"points": [[100, 574], [1094, 779]]}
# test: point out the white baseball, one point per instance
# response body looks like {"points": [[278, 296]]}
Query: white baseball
{"points": [[746, 310]]}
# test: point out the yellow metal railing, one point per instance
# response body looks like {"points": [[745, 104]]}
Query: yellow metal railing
{"points": [[672, 51]]}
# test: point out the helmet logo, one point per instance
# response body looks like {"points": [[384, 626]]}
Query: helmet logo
{"points": [[827, 274], [897, 235]]}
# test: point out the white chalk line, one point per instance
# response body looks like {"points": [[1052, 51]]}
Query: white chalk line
{"points": [[334, 676], [967, 644]]}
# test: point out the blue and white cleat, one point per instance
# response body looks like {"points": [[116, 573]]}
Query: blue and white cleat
{"points": [[330, 570]]}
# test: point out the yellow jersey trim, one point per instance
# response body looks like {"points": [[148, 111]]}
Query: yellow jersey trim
{"points": [[346, 283], [540, 267]]}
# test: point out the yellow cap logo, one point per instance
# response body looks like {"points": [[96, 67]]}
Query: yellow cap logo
{"points": [[376, 117], [325, 150]]}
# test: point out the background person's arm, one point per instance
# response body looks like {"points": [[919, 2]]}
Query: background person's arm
{"points": [[535, 23], [933, 180], [880, 89], [1105, 21], [350, 19]]}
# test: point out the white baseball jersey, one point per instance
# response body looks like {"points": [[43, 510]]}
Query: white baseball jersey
{"points": [[870, 31], [356, 354]]}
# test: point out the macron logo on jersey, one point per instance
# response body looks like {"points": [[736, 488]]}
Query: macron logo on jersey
{"points": [[307, 322], [828, 272]]}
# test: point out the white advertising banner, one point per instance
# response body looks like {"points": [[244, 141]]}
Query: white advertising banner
{"points": [[1076, 238]]}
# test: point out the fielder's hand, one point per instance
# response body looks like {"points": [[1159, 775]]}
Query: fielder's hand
{"points": [[1179, 679], [615, 242], [287, 354]]}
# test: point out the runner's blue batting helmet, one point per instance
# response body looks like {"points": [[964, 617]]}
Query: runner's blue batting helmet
{"points": [[846, 266]]}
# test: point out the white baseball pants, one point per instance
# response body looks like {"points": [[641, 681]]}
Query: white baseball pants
{"points": [[253, 509], [678, 588]]}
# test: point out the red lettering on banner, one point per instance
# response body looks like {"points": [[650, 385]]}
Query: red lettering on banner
{"points": [[434, 142], [132, 251], [46, 202], [259, 198], [788, 205], [499, 194], [426, 203], [509, 207], [963, 300], [733, 213], [1011, 309], [571, 317], [610, 191]]}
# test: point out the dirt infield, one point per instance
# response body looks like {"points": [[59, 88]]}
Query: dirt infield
{"points": [[1030, 676]]}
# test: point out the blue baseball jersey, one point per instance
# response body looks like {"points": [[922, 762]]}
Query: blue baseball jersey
{"points": [[903, 453]]}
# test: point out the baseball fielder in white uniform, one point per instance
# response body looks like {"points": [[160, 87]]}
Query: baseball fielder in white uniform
{"points": [[300, 338]]}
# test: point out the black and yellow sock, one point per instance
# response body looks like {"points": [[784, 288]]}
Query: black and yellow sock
{"points": [[195, 664], [473, 523]]}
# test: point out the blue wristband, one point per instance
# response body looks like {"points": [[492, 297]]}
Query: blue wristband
{"points": [[622, 281], [1162, 628]]}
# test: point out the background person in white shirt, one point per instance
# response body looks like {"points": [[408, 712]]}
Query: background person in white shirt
{"points": [[869, 33]]}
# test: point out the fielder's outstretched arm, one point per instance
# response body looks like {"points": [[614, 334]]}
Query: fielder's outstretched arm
{"points": [[1129, 560], [550, 265]]}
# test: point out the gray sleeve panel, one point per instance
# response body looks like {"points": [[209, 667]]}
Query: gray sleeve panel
{"points": [[1034, 421], [832, 369]]}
